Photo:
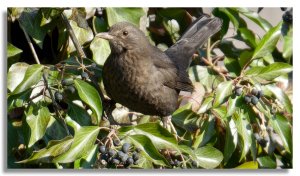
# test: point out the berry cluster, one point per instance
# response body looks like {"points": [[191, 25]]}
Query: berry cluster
{"points": [[124, 157], [67, 85]]}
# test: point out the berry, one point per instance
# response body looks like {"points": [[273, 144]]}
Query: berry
{"points": [[71, 89], [129, 160], [194, 163], [288, 17], [104, 157], [138, 150], [84, 75], [172, 163], [116, 142], [67, 81], [135, 156], [259, 94], [176, 162], [94, 65], [238, 91], [247, 99], [116, 161], [102, 149], [254, 100], [283, 8], [120, 154], [136, 163], [124, 158], [58, 96], [125, 147], [254, 92], [111, 152]]}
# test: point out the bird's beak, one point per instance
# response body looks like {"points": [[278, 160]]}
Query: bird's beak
{"points": [[105, 35]]}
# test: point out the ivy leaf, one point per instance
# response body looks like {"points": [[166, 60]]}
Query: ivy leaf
{"points": [[83, 142], [37, 119], [267, 162], [208, 157], [268, 42], [16, 74], [132, 15], [148, 149], [207, 132], [282, 97], [87, 161], [283, 129], [288, 45], [32, 76], [269, 72], [13, 54], [90, 96], [31, 21], [224, 90], [206, 105], [231, 140], [53, 149], [248, 165], [83, 35], [100, 49], [186, 118]]}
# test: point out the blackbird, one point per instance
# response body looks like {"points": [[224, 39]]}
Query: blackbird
{"points": [[145, 79]]}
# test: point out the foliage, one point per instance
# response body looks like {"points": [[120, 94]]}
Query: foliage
{"points": [[58, 117]]}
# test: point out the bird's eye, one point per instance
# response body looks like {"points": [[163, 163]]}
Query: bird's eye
{"points": [[125, 33]]}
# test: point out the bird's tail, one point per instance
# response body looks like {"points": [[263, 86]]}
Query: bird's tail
{"points": [[195, 36]]}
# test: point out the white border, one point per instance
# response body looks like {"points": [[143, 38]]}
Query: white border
{"points": [[153, 3]]}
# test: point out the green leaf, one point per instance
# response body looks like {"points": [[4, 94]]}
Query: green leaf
{"points": [[248, 165], [232, 15], [32, 76], [83, 142], [220, 112], [208, 157], [16, 74], [185, 118], [224, 90], [99, 24], [83, 35], [283, 128], [159, 136], [282, 97], [266, 162], [79, 114], [269, 72], [100, 49], [231, 140], [148, 149], [288, 45], [233, 103], [13, 54], [37, 118], [53, 149], [244, 129], [248, 36], [268, 42], [264, 24], [31, 21], [132, 15], [209, 78], [88, 161], [232, 66], [207, 132], [90, 96]]}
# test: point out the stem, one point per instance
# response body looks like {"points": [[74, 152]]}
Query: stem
{"points": [[45, 82]]}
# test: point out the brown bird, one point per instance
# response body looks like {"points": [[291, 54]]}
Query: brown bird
{"points": [[143, 78]]}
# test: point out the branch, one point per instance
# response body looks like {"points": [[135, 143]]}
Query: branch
{"points": [[57, 117]]}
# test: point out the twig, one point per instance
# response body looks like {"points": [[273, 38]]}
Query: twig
{"points": [[62, 122]]}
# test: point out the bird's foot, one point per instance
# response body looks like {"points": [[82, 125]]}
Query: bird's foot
{"points": [[167, 123]]}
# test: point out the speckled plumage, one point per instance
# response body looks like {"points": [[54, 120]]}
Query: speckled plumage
{"points": [[143, 78]]}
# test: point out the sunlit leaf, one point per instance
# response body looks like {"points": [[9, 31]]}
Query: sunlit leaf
{"points": [[132, 15], [16, 74], [224, 90], [248, 165], [100, 49], [231, 140], [208, 157], [282, 97]]}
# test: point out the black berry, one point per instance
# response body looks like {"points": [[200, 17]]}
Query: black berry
{"points": [[58, 96], [283, 8], [247, 99], [67, 81], [176, 162], [125, 147], [124, 158], [111, 152], [254, 92], [194, 163], [288, 17], [135, 156], [138, 150], [238, 91], [120, 154], [102, 149], [84, 75], [259, 94], [116, 161], [129, 160], [254, 100], [116, 142], [71, 89]]}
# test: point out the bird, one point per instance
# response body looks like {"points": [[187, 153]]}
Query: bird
{"points": [[145, 79]]}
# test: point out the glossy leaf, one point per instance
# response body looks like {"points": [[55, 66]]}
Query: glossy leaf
{"points": [[16, 74], [207, 132], [282, 97], [78, 114], [208, 157], [224, 90], [283, 129], [248, 36], [83, 35], [132, 15], [53, 149], [90, 96], [231, 140], [88, 161], [149, 150], [37, 118], [185, 118], [83, 142], [100, 49], [32, 76], [233, 66], [269, 72], [31, 21], [13, 54], [206, 105], [266, 162], [268, 42], [248, 165]]}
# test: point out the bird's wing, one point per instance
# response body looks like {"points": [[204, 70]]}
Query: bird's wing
{"points": [[174, 78], [195, 36]]}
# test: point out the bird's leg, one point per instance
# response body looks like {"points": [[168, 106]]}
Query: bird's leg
{"points": [[167, 123]]}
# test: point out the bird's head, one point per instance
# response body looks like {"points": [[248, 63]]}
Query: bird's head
{"points": [[124, 36]]}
